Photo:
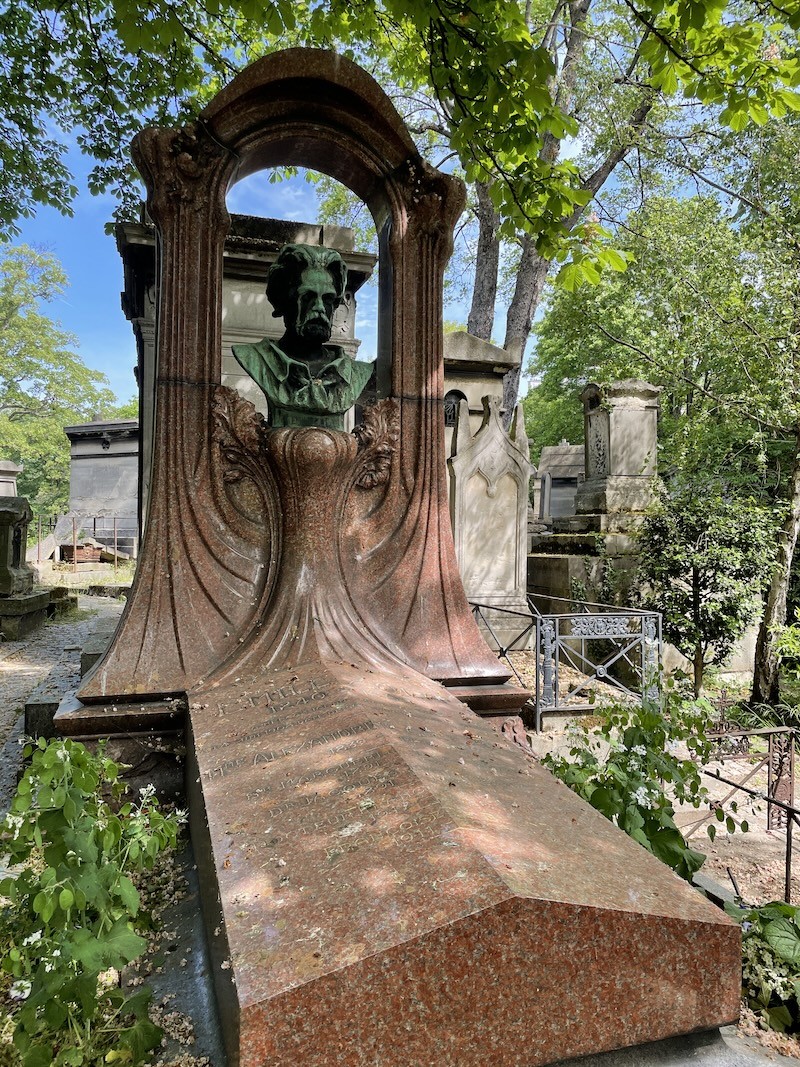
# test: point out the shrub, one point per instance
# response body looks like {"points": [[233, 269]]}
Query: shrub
{"points": [[73, 910], [771, 963], [621, 767]]}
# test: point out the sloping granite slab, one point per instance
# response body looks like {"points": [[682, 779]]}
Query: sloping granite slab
{"points": [[388, 882]]}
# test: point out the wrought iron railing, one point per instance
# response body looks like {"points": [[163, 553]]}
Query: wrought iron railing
{"points": [[619, 647], [789, 817], [734, 743]]}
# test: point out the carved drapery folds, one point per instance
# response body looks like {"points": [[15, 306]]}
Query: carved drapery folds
{"points": [[209, 584]]}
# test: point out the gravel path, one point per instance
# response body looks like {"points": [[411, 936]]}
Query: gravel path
{"points": [[25, 664]]}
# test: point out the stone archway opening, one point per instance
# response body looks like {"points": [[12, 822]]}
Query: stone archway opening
{"points": [[270, 209]]}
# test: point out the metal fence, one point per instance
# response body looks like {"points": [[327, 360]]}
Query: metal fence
{"points": [[733, 743], [789, 818], [61, 538], [577, 648]]}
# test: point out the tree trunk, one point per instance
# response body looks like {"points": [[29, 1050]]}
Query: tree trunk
{"points": [[533, 268], [528, 291], [766, 684], [699, 657], [487, 262], [699, 669]]}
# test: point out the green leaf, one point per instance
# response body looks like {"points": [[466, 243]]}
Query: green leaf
{"points": [[615, 260], [779, 1018], [55, 1013], [115, 948], [38, 1055], [784, 937], [603, 801], [141, 1038], [128, 895]]}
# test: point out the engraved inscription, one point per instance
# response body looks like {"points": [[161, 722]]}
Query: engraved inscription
{"points": [[281, 727], [225, 768]]}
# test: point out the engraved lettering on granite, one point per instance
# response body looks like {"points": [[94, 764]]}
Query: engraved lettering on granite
{"points": [[271, 756]]}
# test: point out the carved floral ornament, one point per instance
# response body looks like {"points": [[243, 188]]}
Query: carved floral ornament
{"points": [[240, 432]]}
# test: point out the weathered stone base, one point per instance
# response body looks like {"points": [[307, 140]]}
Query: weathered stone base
{"points": [[388, 881], [20, 615], [43, 703], [492, 700], [615, 494], [147, 738], [554, 577], [98, 642], [75, 719], [62, 601]]}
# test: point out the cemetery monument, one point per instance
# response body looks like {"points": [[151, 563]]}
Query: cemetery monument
{"points": [[385, 878], [22, 608]]}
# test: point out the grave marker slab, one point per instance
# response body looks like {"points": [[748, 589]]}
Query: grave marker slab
{"points": [[399, 885]]}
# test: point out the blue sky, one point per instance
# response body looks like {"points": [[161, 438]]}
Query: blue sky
{"points": [[90, 307]]}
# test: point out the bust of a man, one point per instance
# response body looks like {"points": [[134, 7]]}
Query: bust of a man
{"points": [[306, 380]]}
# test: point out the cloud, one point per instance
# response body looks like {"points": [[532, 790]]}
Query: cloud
{"points": [[292, 198]]}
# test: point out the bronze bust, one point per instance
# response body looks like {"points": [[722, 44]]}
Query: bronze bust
{"points": [[307, 380]]}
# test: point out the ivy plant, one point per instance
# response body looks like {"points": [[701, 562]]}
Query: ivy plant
{"points": [[72, 917]]}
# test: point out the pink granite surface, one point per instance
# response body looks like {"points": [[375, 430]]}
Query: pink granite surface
{"points": [[400, 885]]}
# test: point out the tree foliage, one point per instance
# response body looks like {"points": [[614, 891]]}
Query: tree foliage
{"points": [[711, 314], [44, 385], [706, 311], [703, 559], [104, 68]]}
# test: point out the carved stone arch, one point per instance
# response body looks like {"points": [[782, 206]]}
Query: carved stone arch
{"points": [[205, 572]]}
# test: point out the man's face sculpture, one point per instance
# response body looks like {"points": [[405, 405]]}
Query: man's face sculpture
{"points": [[315, 304]]}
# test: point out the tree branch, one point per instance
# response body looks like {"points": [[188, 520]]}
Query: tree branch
{"points": [[720, 401]]}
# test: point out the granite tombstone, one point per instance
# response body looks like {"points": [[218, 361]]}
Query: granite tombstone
{"points": [[385, 878]]}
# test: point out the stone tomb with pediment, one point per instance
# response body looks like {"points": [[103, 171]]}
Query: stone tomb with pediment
{"points": [[385, 879]]}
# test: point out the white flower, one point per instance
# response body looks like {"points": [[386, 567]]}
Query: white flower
{"points": [[639, 750], [14, 823], [642, 797], [33, 938], [146, 792], [20, 990]]}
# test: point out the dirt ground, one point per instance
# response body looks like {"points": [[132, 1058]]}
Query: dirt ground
{"points": [[752, 864]]}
